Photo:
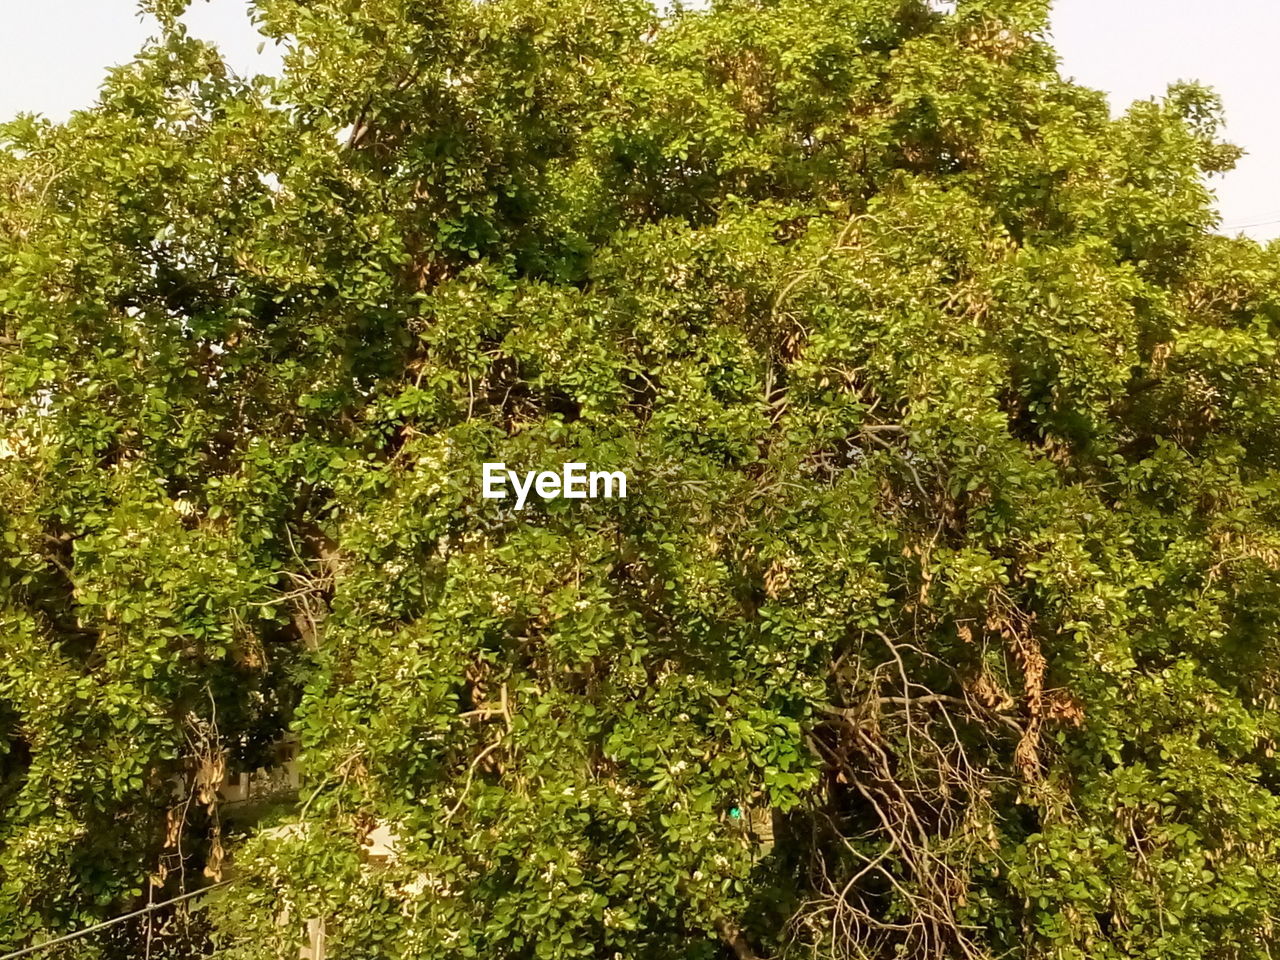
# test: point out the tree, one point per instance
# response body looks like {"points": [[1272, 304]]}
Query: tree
{"points": [[940, 619]]}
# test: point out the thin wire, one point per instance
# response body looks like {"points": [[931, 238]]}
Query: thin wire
{"points": [[1263, 214], [27, 951], [1229, 226]]}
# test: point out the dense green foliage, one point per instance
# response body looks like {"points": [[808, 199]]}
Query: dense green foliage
{"points": [[941, 620]]}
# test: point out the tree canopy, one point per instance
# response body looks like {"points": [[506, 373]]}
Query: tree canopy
{"points": [[940, 619]]}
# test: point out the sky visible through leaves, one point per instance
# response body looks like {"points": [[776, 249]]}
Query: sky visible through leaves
{"points": [[52, 55]]}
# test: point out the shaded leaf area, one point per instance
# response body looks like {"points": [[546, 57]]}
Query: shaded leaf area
{"points": [[940, 619]]}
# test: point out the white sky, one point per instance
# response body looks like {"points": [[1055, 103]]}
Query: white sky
{"points": [[1135, 48], [53, 54]]}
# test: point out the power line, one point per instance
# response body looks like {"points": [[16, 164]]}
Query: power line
{"points": [[27, 951], [1225, 226], [1264, 219]]}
